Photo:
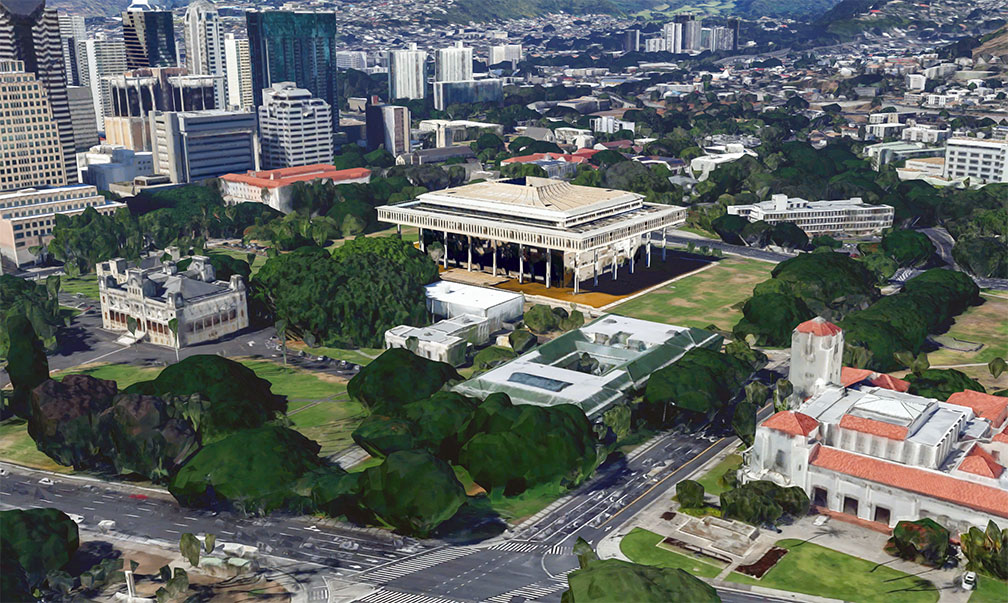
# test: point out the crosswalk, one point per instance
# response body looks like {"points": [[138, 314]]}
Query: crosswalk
{"points": [[398, 569], [319, 594], [395, 596], [519, 546], [532, 591], [561, 549]]}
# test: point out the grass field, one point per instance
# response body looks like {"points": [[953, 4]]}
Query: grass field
{"points": [[241, 255], [711, 480], [124, 375], [86, 285], [989, 590], [17, 446], [702, 298], [359, 356], [984, 324], [812, 569], [641, 546]]}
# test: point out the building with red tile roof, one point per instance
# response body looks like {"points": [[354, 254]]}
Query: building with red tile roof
{"points": [[852, 377], [819, 326], [792, 423], [980, 462], [992, 408], [273, 187], [873, 427]]}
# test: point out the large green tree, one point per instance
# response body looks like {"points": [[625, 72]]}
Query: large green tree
{"points": [[39, 541], [37, 301], [27, 365]]}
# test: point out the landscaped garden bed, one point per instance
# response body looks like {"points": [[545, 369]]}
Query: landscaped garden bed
{"points": [[764, 564]]}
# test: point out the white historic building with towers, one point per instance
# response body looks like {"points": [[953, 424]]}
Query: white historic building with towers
{"points": [[860, 445], [154, 292], [590, 230]]}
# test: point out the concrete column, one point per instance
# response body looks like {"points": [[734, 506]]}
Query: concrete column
{"points": [[664, 244], [595, 263], [549, 267], [423, 247], [649, 250], [495, 258], [398, 229], [577, 274], [632, 256], [615, 266], [469, 268], [445, 249], [521, 265]]}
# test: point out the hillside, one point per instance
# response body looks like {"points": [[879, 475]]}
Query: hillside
{"points": [[92, 8], [995, 44]]}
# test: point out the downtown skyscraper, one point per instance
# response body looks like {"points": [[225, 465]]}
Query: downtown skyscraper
{"points": [[204, 45], [149, 35], [298, 47], [407, 73]]}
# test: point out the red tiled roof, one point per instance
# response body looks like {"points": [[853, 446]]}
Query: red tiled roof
{"points": [[1001, 437], [992, 408], [945, 487], [791, 422], [852, 376], [586, 152], [980, 462], [873, 427], [286, 176], [818, 326], [889, 382]]}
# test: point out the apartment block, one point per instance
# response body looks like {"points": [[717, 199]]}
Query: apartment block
{"points": [[982, 161], [295, 128]]}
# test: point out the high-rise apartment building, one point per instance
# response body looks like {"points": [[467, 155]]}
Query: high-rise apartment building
{"points": [[196, 145], [388, 125], [690, 31], [297, 47], [96, 61], [204, 44], [31, 153], [238, 67], [407, 73], [632, 40], [673, 35], [506, 53], [82, 117], [489, 90], [295, 129], [453, 64], [149, 35], [29, 32], [71, 29], [355, 59], [981, 160]]}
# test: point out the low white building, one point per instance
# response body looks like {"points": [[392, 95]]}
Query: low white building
{"points": [[153, 293], [927, 134], [844, 216], [718, 155], [609, 124], [446, 299], [883, 455], [981, 160], [106, 164]]}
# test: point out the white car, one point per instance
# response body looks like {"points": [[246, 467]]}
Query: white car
{"points": [[45, 481], [77, 519], [969, 580]]}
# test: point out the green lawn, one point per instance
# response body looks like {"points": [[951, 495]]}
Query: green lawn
{"points": [[238, 254], [711, 480], [296, 383], [85, 284], [16, 446], [816, 570], [359, 356], [641, 546], [702, 298], [984, 324], [124, 375], [989, 590], [518, 508]]}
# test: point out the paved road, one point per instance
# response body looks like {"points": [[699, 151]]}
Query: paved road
{"points": [[944, 242], [749, 252]]}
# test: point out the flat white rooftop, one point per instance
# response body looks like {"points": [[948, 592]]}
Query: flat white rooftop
{"points": [[459, 294], [540, 193]]}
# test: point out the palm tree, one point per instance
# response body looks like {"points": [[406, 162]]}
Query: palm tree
{"points": [[173, 327]]}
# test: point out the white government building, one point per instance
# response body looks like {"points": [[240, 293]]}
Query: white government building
{"points": [[980, 160], [153, 293], [844, 216], [589, 228], [880, 454]]}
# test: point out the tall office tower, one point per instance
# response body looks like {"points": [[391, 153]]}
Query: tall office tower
{"points": [[733, 24], [204, 44], [632, 40], [294, 128], [673, 33], [149, 35], [97, 60], [71, 31], [453, 64], [388, 125], [29, 32], [138, 93], [196, 145], [33, 156], [690, 31], [298, 47], [238, 67], [82, 117], [511, 53], [407, 73]]}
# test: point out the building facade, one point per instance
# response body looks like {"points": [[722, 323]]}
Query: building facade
{"points": [[106, 164], [155, 293], [82, 118], [981, 160], [512, 53], [30, 33], [407, 73], [149, 36], [883, 455], [99, 60], [847, 216], [204, 44], [33, 156], [297, 47], [489, 90], [294, 128], [587, 228], [453, 64], [238, 66], [388, 125], [27, 216], [275, 187], [196, 145], [72, 31]]}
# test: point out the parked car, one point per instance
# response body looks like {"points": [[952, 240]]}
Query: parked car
{"points": [[969, 580]]}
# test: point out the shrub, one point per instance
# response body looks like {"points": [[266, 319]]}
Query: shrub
{"points": [[690, 494]]}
